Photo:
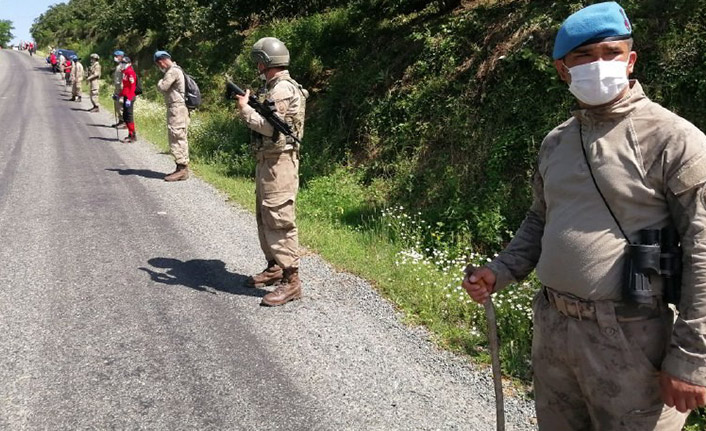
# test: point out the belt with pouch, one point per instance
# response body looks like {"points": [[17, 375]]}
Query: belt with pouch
{"points": [[582, 309]]}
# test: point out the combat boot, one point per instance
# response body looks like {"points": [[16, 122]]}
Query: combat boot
{"points": [[271, 275], [78, 98], [120, 124], [130, 138], [288, 290], [73, 99], [95, 109], [181, 173]]}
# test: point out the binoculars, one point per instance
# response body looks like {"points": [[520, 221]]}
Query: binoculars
{"points": [[657, 254]]}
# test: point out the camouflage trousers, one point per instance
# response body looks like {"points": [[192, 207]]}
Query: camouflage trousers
{"points": [[118, 104], [276, 187], [76, 89], [94, 96], [177, 131], [600, 374]]}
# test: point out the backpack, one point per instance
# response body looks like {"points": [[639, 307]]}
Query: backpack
{"points": [[138, 86], [192, 94]]}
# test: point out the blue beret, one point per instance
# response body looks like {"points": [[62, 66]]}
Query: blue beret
{"points": [[592, 24], [161, 54], [118, 53]]}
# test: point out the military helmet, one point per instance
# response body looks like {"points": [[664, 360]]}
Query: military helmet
{"points": [[271, 52], [95, 56]]}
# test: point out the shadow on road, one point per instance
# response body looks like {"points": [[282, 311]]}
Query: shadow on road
{"points": [[108, 126], [80, 109], [100, 138], [146, 173], [200, 274]]}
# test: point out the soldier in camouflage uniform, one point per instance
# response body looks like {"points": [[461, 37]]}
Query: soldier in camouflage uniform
{"points": [[118, 83], [76, 79], [602, 359], [173, 86], [94, 76], [277, 174]]}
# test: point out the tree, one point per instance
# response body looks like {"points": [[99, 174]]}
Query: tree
{"points": [[6, 32]]}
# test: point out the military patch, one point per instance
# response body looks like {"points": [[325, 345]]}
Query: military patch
{"points": [[282, 105], [692, 174]]}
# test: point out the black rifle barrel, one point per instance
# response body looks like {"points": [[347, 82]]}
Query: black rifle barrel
{"points": [[266, 111]]}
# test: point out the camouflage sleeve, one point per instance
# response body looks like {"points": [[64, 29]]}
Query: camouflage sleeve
{"points": [[167, 81], [686, 197], [522, 254], [281, 97]]}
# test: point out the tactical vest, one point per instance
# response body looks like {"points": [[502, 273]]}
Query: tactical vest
{"points": [[279, 142]]}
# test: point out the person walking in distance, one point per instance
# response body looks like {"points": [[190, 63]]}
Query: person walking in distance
{"points": [[127, 96], [277, 172], [118, 83], [173, 87], [94, 75], [615, 232]]}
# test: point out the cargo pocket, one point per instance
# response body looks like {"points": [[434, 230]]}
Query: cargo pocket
{"points": [[280, 216], [646, 341]]}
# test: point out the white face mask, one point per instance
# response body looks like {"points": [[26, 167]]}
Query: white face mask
{"points": [[599, 82], [115, 59], [123, 66], [262, 77]]}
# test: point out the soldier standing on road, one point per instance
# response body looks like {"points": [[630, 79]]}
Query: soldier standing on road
{"points": [[608, 354], [173, 86], [62, 64], [127, 95], [277, 173], [118, 83], [94, 75], [76, 79]]}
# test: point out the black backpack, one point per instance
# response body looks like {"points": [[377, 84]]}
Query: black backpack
{"points": [[192, 94], [138, 86]]}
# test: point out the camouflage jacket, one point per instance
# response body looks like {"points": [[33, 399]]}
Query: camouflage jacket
{"points": [[289, 100]]}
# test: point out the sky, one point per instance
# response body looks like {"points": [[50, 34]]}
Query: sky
{"points": [[22, 14]]}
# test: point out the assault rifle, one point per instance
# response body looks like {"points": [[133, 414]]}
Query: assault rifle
{"points": [[266, 110]]}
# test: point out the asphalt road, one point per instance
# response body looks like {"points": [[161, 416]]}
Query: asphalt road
{"points": [[123, 305]]}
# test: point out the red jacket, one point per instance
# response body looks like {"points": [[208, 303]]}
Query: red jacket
{"points": [[67, 66], [129, 83], [52, 58]]}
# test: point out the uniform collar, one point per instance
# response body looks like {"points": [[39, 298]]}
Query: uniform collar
{"points": [[278, 76], [633, 100]]}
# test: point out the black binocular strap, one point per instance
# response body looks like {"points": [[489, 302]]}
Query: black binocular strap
{"points": [[605, 201]]}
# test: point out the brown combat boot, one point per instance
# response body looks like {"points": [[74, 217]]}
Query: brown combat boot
{"points": [[181, 173], [271, 275], [289, 289]]}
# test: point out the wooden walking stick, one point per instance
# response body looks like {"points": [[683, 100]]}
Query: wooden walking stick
{"points": [[494, 343], [115, 113]]}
